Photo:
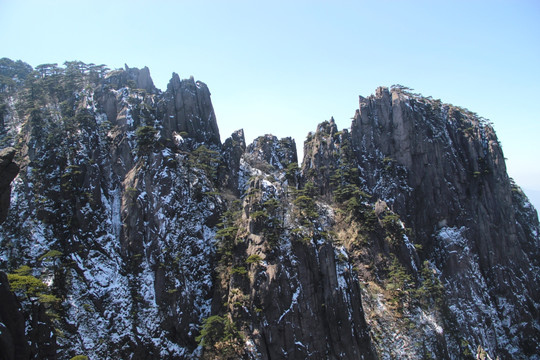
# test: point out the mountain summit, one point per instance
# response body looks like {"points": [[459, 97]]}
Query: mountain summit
{"points": [[134, 233]]}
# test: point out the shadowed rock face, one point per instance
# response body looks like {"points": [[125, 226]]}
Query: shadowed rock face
{"points": [[111, 199], [13, 341], [8, 172], [13, 344], [455, 172]]}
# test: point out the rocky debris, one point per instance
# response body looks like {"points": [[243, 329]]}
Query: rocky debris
{"points": [[8, 172]]}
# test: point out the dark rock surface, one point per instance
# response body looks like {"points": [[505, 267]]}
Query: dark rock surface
{"points": [[13, 340], [8, 172]]}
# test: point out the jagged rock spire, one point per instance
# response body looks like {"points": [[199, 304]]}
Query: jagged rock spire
{"points": [[190, 111]]}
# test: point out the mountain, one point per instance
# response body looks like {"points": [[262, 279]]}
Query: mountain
{"points": [[133, 232]]}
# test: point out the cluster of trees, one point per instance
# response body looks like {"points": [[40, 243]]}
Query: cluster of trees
{"points": [[304, 200], [32, 290], [220, 338], [427, 292]]}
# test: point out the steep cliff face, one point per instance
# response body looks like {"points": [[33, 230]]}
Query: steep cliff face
{"points": [[457, 199], [135, 233], [285, 281], [441, 169], [113, 209]]}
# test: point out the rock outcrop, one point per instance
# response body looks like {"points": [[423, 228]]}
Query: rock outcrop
{"points": [[189, 111]]}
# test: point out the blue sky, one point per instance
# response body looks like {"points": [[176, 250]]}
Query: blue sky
{"points": [[282, 67]]}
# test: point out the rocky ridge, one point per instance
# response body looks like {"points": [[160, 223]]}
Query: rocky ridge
{"points": [[401, 236]]}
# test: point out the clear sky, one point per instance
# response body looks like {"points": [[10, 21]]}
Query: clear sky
{"points": [[282, 67]]}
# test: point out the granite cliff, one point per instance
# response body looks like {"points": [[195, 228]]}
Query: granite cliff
{"points": [[134, 232]]}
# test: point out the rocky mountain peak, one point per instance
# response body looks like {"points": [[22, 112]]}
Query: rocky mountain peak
{"points": [[268, 149], [189, 111], [442, 169], [327, 127], [141, 78], [134, 77]]}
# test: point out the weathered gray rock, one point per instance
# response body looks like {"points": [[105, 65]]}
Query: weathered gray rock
{"points": [[319, 312], [268, 150], [322, 153], [141, 78], [131, 77], [189, 111]]}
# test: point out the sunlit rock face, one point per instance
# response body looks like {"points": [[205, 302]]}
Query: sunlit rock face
{"points": [[146, 237]]}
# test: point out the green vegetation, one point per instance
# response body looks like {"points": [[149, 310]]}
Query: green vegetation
{"points": [[352, 199], [394, 228], [305, 202], [131, 193], [259, 214], [254, 259], [469, 131], [220, 337], [431, 292], [79, 357], [347, 192], [266, 216], [145, 136], [399, 282], [23, 283], [291, 173], [240, 270], [50, 255], [227, 233], [465, 348], [205, 159]]}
